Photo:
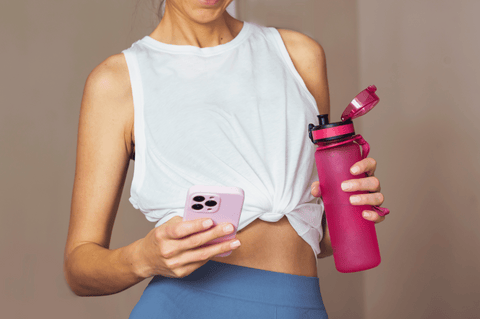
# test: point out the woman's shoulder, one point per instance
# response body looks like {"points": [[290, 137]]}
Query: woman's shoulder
{"points": [[299, 39], [109, 84], [308, 57], [111, 76], [108, 91]]}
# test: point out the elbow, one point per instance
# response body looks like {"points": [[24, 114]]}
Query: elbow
{"points": [[76, 287], [325, 253], [72, 280], [326, 249]]}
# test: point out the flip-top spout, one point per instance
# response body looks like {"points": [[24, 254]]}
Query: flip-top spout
{"points": [[361, 104]]}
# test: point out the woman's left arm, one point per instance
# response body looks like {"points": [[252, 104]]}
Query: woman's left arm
{"points": [[375, 198], [309, 60]]}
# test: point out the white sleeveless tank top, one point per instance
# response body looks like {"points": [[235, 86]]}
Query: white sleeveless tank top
{"points": [[236, 114]]}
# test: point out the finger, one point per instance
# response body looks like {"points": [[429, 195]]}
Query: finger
{"points": [[316, 189], [373, 216], [197, 240], [190, 260], [367, 165], [370, 184], [374, 199], [181, 229], [197, 257], [173, 248], [205, 253]]}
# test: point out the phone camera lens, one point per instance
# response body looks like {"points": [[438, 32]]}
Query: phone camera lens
{"points": [[197, 206], [211, 203], [199, 198]]}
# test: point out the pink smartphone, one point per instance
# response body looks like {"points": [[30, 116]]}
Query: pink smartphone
{"points": [[220, 203]]}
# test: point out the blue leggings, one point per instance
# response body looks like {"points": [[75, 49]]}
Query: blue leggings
{"points": [[219, 290]]}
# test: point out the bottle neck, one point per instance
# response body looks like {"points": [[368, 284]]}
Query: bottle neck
{"points": [[335, 140]]}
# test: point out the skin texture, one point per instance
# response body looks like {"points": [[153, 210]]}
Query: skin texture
{"points": [[106, 144], [187, 22]]}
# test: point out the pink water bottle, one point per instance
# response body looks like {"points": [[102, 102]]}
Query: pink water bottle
{"points": [[354, 239]]}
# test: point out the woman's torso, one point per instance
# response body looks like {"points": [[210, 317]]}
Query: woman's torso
{"points": [[265, 245], [272, 246]]}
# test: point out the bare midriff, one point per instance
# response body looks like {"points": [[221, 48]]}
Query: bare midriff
{"points": [[274, 247]]}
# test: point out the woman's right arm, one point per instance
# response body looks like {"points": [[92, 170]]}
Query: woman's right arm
{"points": [[103, 155], [104, 148]]}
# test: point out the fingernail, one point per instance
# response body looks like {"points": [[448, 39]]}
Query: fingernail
{"points": [[367, 214], [355, 170], [354, 199], [235, 244], [346, 186], [207, 223], [228, 228]]}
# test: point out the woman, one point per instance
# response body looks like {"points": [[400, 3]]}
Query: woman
{"points": [[206, 99]]}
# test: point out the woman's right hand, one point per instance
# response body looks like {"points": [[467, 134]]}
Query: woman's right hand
{"points": [[172, 249]]}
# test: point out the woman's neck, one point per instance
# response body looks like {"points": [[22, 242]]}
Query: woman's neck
{"points": [[178, 28]]}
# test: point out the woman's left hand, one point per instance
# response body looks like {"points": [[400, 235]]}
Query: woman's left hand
{"points": [[370, 183]]}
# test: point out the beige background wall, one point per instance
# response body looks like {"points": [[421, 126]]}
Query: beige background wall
{"points": [[423, 57]]}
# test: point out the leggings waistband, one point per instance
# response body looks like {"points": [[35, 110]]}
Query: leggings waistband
{"points": [[251, 284]]}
